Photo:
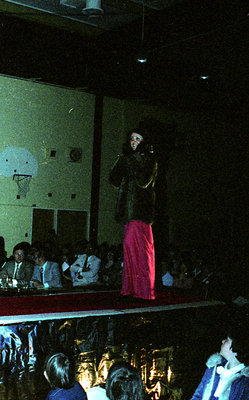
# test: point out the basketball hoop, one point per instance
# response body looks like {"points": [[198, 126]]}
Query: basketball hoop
{"points": [[22, 182]]}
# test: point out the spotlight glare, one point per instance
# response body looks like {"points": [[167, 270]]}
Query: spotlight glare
{"points": [[141, 59]]}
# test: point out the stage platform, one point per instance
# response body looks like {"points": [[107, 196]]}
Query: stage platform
{"points": [[17, 307], [96, 328]]}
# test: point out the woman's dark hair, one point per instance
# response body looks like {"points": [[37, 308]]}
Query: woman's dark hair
{"points": [[60, 372], [124, 383], [240, 342]]}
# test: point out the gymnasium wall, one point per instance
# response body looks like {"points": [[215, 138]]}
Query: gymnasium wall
{"points": [[43, 118]]}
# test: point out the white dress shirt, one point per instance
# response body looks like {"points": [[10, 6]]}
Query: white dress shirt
{"points": [[82, 278]]}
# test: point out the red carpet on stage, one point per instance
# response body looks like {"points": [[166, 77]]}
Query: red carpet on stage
{"points": [[70, 302]]}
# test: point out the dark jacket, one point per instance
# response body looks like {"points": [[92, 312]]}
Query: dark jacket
{"points": [[134, 175], [75, 393], [24, 273]]}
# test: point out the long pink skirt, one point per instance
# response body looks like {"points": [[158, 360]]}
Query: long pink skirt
{"points": [[139, 261]]}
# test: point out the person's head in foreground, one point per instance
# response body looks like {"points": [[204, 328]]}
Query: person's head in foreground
{"points": [[59, 372], [235, 347], [124, 383], [227, 373]]}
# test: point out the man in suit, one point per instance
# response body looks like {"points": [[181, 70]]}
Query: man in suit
{"points": [[18, 270], [84, 270], [46, 273]]}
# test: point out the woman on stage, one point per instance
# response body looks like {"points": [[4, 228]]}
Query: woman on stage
{"points": [[134, 174]]}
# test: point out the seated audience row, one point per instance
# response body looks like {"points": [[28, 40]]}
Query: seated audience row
{"points": [[39, 273], [42, 265], [187, 271], [34, 266], [88, 266]]}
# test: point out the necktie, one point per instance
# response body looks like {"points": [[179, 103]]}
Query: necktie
{"points": [[16, 270], [84, 268], [85, 265], [42, 275]]}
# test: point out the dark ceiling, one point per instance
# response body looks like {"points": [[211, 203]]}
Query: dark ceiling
{"points": [[183, 39]]}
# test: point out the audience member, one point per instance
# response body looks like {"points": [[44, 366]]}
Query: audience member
{"points": [[96, 393], [52, 244], [110, 273], [60, 375], [115, 277], [18, 270], [174, 257], [27, 250], [227, 373], [3, 253], [167, 277], [124, 383], [183, 280], [66, 260], [103, 249], [206, 280], [107, 263], [198, 266], [80, 246], [84, 270], [46, 273]]}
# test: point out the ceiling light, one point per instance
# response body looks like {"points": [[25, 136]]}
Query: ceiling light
{"points": [[141, 56], [93, 7]]}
